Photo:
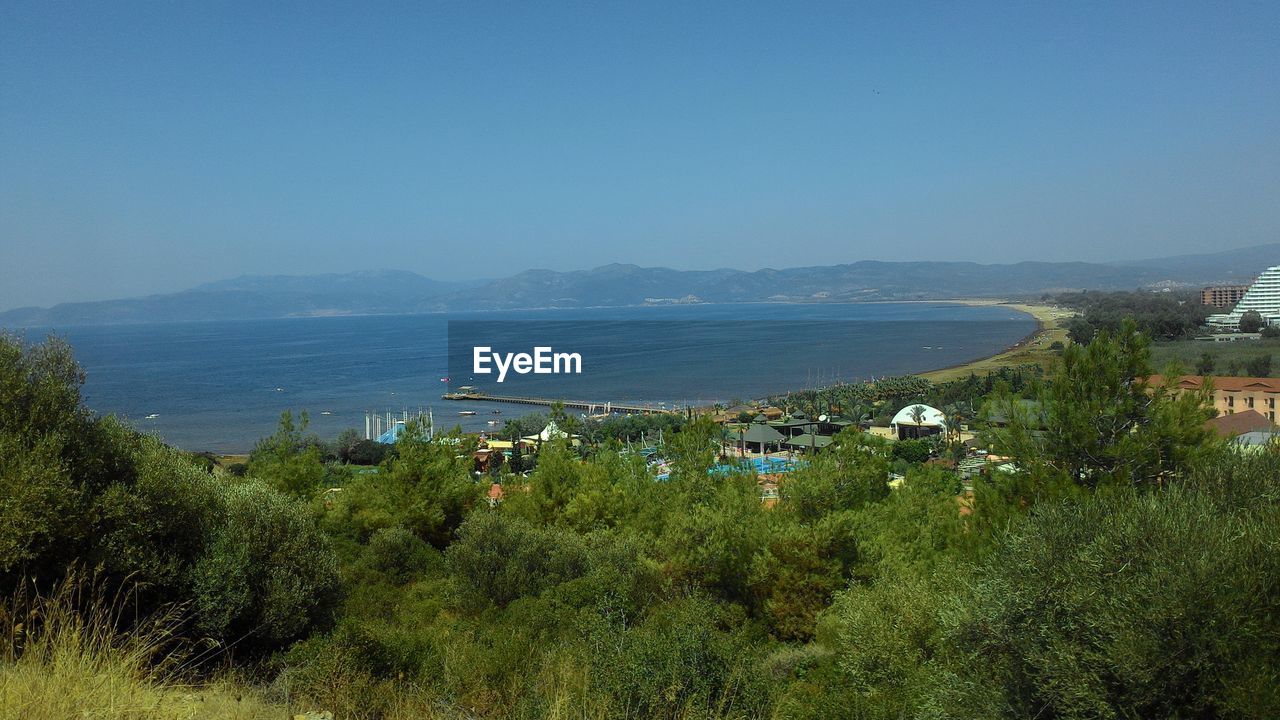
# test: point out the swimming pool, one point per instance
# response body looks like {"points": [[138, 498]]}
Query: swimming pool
{"points": [[760, 466]]}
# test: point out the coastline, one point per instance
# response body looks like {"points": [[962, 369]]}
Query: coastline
{"points": [[1030, 350]]}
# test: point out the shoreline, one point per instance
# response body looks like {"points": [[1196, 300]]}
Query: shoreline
{"points": [[1033, 349]]}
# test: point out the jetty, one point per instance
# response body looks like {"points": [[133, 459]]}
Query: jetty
{"points": [[591, 406]]}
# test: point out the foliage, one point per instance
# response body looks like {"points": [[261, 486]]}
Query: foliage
{"points": [[424, 487], [913, 450], [62, 655], [1160, 315], [1251, 321], [1120, 566], [1104, 423], [267, 575], [81, 490], [1129, 605], [291, 459]]}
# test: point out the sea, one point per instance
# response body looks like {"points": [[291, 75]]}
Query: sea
{"points": [[220, 386]]}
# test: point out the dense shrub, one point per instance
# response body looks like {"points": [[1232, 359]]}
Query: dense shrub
{"points": [[1129, 605], [267, 574], [246, 562]]}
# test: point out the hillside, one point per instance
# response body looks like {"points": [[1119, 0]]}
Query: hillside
{"points": [[398, 291]]}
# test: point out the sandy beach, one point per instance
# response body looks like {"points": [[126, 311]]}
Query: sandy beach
{"points": [[1031, 350]]}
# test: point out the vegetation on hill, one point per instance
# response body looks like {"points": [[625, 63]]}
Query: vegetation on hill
{"points": [[1123, 566], [1163, 315]]}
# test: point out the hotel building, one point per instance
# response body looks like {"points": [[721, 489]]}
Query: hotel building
{"points": [[1223, 296], [1263, 296]]}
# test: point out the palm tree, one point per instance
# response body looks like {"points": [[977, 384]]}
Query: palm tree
{"points": [[917, 417]]}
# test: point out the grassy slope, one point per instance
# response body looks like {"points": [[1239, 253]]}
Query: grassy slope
{"points": [[56, 663]]}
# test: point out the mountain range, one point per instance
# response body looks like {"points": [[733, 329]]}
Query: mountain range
{"points": [[400, 291]]}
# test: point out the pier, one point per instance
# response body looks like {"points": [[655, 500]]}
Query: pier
{"points": [[587, 405]]}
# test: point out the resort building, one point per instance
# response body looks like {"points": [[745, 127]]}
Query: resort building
{"points": [[1263, 297], [1239, 423], [760, 438], [1223, 296], [917, 421], [1234, 394]]}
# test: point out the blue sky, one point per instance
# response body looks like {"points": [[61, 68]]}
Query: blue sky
{"points": [[148, 147]]}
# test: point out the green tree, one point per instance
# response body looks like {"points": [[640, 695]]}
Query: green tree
{"points": [[1080, 331], [290, 460], [346, 443], [1103, 421], [798, 569], [499, 557], [424, 487], [853, 471], [267, 574], [1251, 321], [912, 450], [56, 459], [1259, 366], [1129, 605], [1205, 365]]}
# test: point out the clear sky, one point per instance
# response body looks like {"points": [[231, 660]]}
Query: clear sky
{"points": [[148, 147]]}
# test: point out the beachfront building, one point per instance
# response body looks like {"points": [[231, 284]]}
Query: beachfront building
{"points": [[917, 421], [1262, 297]]}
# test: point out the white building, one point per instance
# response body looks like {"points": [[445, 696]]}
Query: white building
{"points": [[1263, 296], [904, 425]]}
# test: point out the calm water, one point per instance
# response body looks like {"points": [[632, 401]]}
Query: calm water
{"points": [[221, 385]]}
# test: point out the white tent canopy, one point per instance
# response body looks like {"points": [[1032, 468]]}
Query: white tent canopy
{"points": [[933, 417], [550, 431]]}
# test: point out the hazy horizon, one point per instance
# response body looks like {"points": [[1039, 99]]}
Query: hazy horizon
{"points": [[148, 149]]}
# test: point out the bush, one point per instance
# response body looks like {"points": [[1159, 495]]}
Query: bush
{"points": [[1128, 605], [367, 452], [399, 554], [498, 558], [913, 451], [1251, 322], [267, 575]]}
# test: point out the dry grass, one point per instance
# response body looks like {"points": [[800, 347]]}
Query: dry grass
{"points": [[60, 657]]}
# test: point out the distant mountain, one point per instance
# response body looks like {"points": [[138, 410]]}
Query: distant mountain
{"points": [[252, 297], [860, 281], [397, 291], [1241, 265]]}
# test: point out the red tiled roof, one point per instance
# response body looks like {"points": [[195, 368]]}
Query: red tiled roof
{"points": [[1231, 425], [1227, 384]]}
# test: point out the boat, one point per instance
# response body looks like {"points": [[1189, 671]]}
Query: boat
{"points": [[495, 412], [466, 412], [493, 422], [325, 412], [153, 416]]}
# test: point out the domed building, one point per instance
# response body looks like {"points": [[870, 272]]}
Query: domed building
{"points": [[917, 421]]}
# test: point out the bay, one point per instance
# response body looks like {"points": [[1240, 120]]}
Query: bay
{"points": [[220, 386]]}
